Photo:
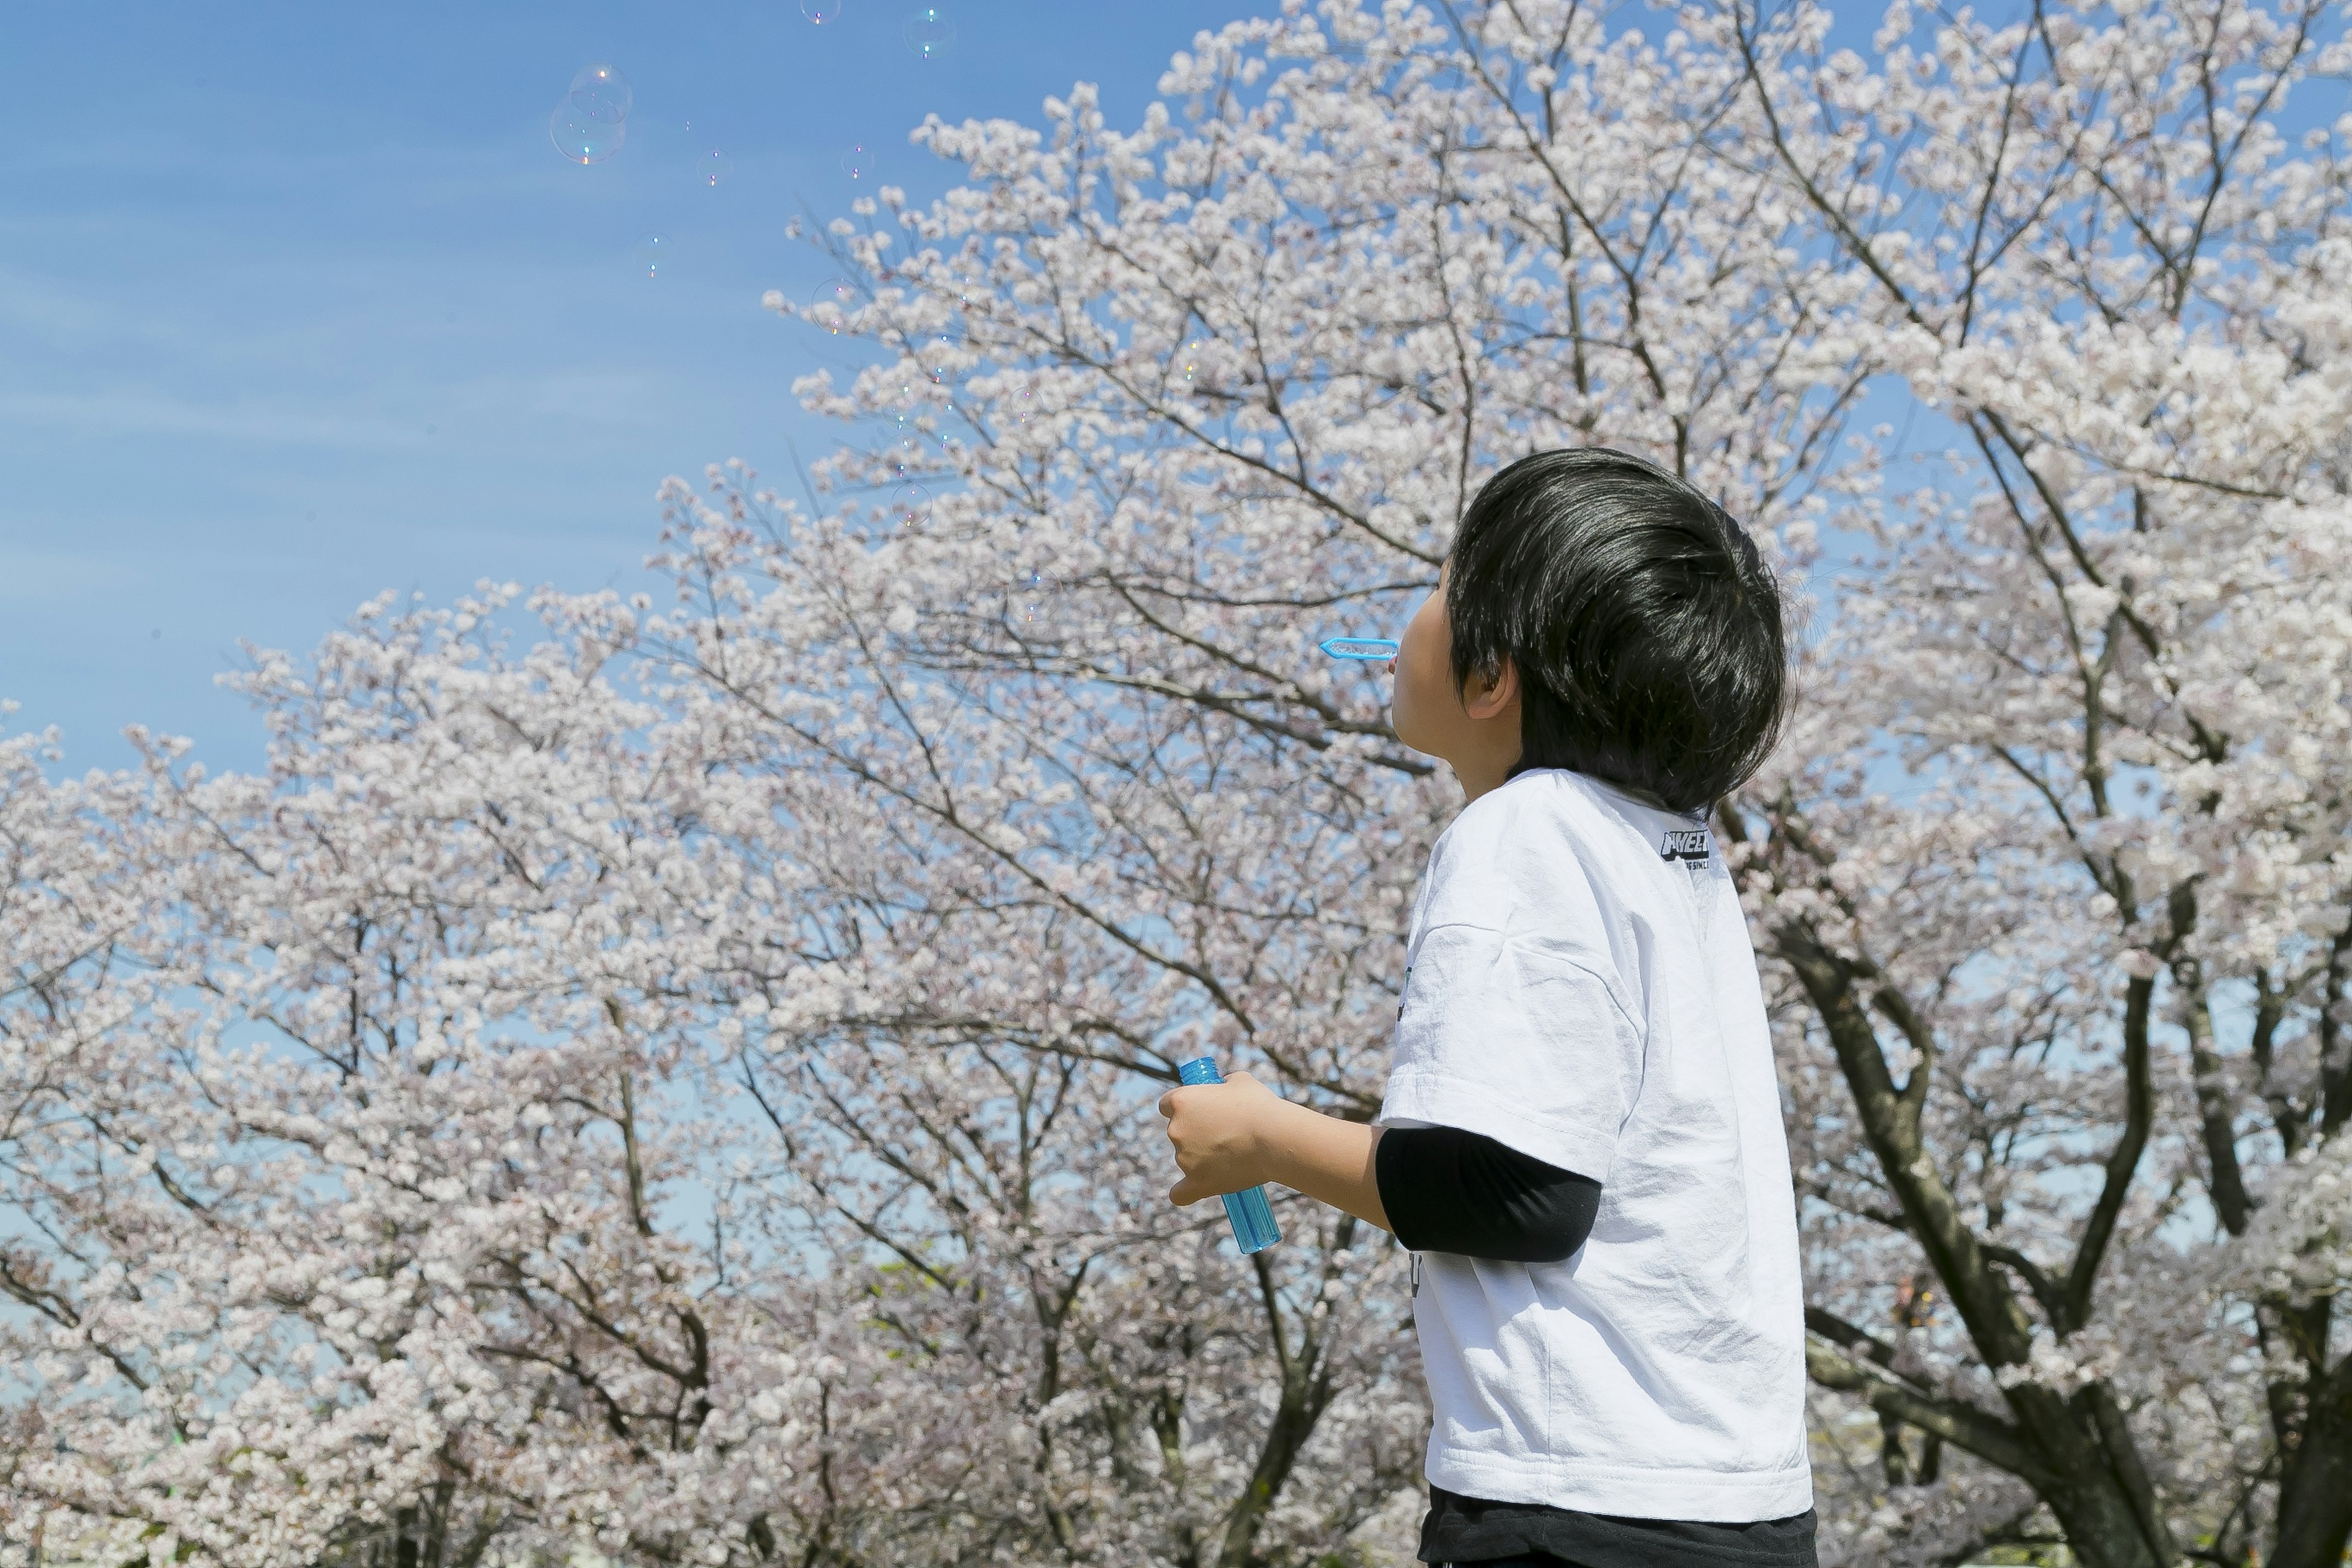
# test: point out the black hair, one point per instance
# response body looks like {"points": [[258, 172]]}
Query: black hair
{"points": [[1646, 629]]}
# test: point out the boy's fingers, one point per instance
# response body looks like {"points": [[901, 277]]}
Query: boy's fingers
{"points": [[1186, 1192], [1168, 1103]]}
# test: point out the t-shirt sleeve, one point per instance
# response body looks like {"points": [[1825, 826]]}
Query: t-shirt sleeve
{"points": [[1444, 1190], [1525, 1043]]}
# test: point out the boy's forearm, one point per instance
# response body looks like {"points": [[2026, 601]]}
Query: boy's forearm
{"points": [[1325, 1158]]}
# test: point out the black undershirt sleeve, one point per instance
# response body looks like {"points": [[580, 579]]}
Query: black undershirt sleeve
{"points": [[1446, 1190]]}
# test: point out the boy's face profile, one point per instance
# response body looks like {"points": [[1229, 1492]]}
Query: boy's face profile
{"points": [[1474, 726]]}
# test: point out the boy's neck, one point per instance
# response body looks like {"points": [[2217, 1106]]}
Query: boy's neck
{"points": [[1476, 781], [1482, 775]]}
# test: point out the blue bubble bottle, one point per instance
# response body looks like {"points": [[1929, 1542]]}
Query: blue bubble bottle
{"points": [[1252, 1215]]}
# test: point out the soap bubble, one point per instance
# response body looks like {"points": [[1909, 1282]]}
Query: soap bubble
{"points": [[928, 32], [831, 307], [858, 163], [714, 166], [821, 11], [582, 138], [909, 505], [907, 449], [1192, 360], [935, 357], [653, 254], [601, 92]]}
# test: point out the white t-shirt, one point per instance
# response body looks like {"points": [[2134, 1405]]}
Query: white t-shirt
{"points": [[1581, 989]]}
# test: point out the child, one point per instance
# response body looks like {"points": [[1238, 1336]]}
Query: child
{"points": [[1581, 1138]]}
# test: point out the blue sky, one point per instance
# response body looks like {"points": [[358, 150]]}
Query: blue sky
{"points": [[298, 302]]}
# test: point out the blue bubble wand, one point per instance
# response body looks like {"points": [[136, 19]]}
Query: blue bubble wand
{"points": [[1372, 648], [1251, 1216]]}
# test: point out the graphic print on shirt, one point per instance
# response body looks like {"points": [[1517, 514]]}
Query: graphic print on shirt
{"points": [[1684, 844]]}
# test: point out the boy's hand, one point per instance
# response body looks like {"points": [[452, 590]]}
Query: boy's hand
{"points": [[1218, 1130]]}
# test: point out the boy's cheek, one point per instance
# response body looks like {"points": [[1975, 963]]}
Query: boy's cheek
{"points": [[1404, 718]]}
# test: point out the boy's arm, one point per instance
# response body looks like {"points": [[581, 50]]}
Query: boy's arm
{"points": [[1453, 1191], [1239, 1133]]}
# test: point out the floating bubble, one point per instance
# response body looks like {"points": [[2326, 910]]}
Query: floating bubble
{"points": [[928, 32], [821, 11], [1359, 647], [934, 357], [1033, 596], [909, 504], [653, 254], [714, 166], [582, 138], [1192, 360], [832, 304], [601, 92], [858, 162]]}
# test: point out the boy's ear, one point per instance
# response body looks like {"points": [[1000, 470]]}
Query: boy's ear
{"points": [[1485, 700]]}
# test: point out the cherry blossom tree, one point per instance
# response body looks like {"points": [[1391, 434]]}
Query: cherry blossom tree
{"points": [[2081, 971], [681, 1088]]}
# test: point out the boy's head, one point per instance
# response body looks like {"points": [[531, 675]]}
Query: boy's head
{"points": [[1625, 617]]}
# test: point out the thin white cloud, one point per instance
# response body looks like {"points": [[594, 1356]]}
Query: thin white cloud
{"points": [[148, 413]]}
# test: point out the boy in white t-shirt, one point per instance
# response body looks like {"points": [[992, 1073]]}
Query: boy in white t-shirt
{"points": [[1581, 1138]]}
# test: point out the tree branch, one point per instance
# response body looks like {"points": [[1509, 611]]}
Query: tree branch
{"points": [[1988, 1437]]}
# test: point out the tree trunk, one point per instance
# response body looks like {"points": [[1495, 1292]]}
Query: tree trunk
{"points": [[2076, 1452], [2316, 1492], [1306, 1392], [2103, 1528], [2103, 1495]]}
